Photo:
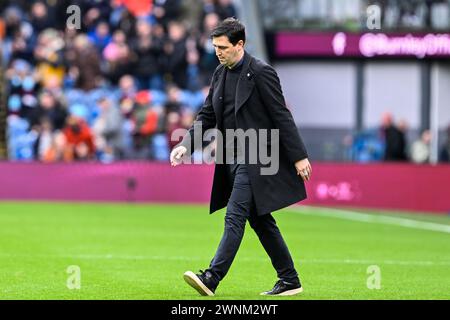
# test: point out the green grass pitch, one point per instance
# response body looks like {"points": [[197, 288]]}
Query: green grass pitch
{"points": [[140, 251]]}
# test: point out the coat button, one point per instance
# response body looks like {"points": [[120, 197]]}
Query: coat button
{"points": [[220, 98]]}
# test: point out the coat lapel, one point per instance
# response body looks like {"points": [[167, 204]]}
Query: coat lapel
{"points": [[245, 84]]}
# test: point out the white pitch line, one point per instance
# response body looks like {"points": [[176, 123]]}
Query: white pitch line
{"points": [[372, 218]]}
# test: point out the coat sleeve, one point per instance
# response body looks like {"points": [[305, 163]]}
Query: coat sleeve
{"points": [[205, 120], [269, 88]]}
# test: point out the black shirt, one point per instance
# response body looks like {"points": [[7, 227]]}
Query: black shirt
{"points": [[229, 120]]}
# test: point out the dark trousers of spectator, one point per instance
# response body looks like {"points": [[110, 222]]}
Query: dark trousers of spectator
{"points": [[240, 208]]}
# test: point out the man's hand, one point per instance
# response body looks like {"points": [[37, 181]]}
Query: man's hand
{"points": [[176, 155], [304, 169]]}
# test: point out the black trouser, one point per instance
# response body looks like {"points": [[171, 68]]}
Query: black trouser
{"points": [[240, 207]]}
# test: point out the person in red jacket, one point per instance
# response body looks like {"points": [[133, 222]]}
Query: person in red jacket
{"points": [[80, 141], [145, 123]]}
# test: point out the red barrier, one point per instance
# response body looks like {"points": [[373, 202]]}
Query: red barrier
{"points": [[386, 186]]}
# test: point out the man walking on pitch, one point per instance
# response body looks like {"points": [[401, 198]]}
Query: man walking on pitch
{"points": [[245, 95]]}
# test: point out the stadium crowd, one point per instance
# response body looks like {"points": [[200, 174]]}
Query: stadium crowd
{"points": [[115, 88], [389, 142]]}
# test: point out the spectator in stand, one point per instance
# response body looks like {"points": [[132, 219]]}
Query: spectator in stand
{"points": [[193, 70], [147, 50], [118, 57], [100, 37], [50, 109], [172, 114], [121, 18], [174, 57], [19, 36], [166, 11], [395, 142], [173, 123], [2, 29], [123, 46], [126, 94], [125, 97], [192, 13], [57, 9], [208, 61], [94, 11], [445, 150], [108, 131], [145, 124], [137, 8], [127, 87], [14, 19], [187, 118], [420, 149], [80, 140], [118, 12], [39, 17], [22, 88], [225, 9], [159, 35], [50, 57], [208, 7], [177, 119], [58, 151], [403, 127], [173, 99], [45, 138], [85, 62]]}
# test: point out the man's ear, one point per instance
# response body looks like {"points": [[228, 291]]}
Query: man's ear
{"points": [[241, 43]]}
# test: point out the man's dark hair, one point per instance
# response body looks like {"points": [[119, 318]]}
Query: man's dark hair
{"points": [[232, 28]]}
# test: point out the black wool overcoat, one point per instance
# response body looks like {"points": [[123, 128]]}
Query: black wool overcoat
{"points": [[259, 104]]}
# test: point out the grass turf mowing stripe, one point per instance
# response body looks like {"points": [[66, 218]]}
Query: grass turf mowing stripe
{"points": [[198, 258], [138, 251]]}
